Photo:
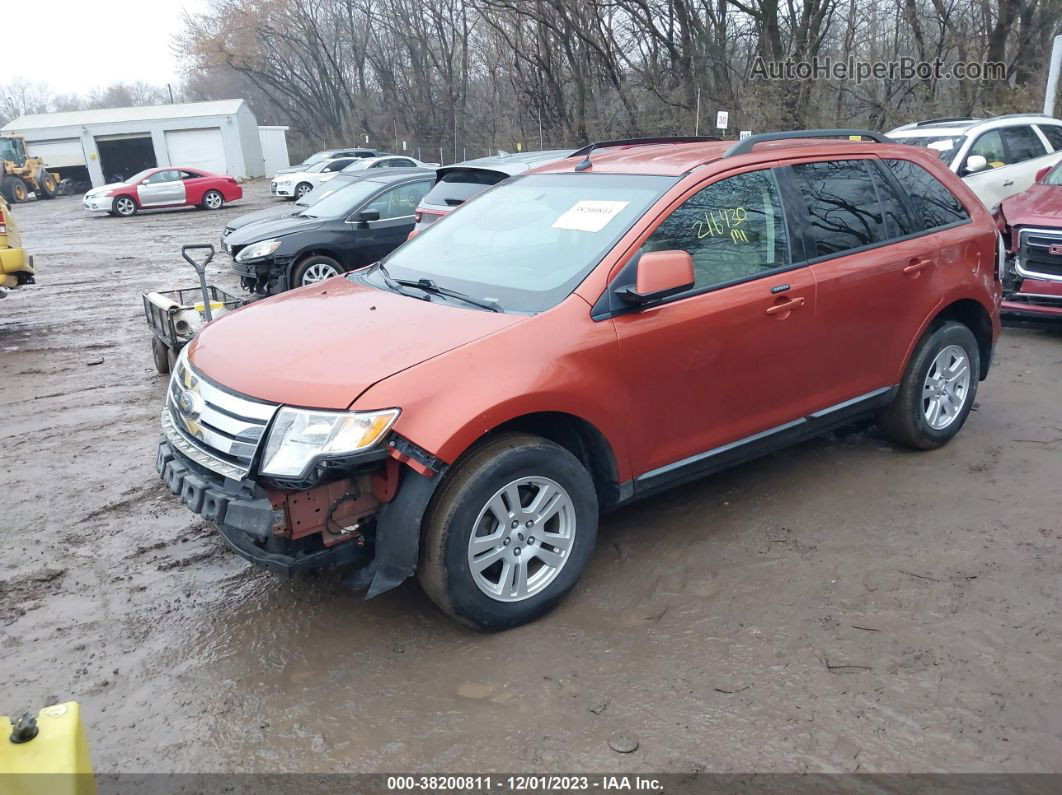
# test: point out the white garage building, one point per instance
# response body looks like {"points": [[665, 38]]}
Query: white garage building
{"points": [[98, 145]]}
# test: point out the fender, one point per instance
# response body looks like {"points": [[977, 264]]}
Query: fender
{"points": [[398, 527]]}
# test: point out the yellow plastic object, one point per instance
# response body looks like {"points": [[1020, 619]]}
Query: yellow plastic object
{"points": [[55, 762]]}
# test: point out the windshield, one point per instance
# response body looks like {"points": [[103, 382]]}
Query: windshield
{"points": [[944, 145], [360, 164], [527, 244], [317, 157], [342, 201], [1053, 177], [139, 176], [318, 193]]}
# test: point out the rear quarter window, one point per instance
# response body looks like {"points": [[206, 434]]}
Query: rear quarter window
{"points": [[931, 201], [456, 187]]}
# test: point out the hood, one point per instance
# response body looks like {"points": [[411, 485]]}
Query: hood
{"points": [[1040, 205], [298, 174], [268, 214], [322, 346], [108, 186], [273, 227]]}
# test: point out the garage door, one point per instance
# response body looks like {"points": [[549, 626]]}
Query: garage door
{"points": [[59, 153], [197, 148]]}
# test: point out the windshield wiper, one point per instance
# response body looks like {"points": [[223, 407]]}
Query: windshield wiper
{"points": [[428, 286], [396, 284]]}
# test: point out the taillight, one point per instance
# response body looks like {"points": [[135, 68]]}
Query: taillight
{"points": [[3, 228], [418, 216]]}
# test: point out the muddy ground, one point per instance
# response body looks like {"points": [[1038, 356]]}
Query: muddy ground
{"points": [[841, 606]]}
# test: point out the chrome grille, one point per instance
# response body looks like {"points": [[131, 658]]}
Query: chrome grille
{"points": [[1040, 253], [214, 428]]}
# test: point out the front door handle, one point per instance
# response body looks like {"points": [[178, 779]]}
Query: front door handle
{"points": [[782, 308], [916, 266], [1008, 183]]}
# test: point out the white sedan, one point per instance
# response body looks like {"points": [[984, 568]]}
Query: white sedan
{"points": [[298, 184], [365, 163]]}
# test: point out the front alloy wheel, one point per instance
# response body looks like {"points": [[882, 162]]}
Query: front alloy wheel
{"points": [[509, 531], [124, 206], [521, 539]]}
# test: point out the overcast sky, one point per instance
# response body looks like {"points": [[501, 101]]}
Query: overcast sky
{"points": [[93, 44]]}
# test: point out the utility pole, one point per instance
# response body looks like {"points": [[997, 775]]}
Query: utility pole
{"points": [[1052, 77], [697, 118], [396, 134]]}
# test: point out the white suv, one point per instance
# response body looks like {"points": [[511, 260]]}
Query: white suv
{"points": [[996, 157]]}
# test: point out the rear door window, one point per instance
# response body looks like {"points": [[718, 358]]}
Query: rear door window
{"points": [[1021, 143], [932, 203], [898, 222], [843, 209], [457, 187], [734, 229]]}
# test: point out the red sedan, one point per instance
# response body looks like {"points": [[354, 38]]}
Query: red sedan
{"points": [[1031, 225], [170, 186]]}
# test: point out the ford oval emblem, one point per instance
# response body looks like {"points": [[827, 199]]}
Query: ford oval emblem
{"points": [[1055, 249], [188, 404]]}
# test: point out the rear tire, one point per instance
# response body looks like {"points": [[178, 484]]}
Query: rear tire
{"points": [[937, 391], [15, 190], [48, 185], [315, 268], [213, 200], [125, 206], [472, 554]]}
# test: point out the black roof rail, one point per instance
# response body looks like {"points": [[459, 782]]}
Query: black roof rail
{"points": [[745, 144], [930, 122], [674, 139]]}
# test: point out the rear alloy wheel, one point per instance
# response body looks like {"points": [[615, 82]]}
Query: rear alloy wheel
{"points": [[213, 200], [509, 533], [302, 189], [125, 206], [315, 269], [938, 390]]}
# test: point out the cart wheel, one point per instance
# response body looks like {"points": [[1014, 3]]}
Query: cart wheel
{"points": [[171, 359], [161, 354]]}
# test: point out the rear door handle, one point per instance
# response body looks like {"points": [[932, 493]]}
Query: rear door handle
{"points": [[1008, 183], [783, 308], [917, 265]]}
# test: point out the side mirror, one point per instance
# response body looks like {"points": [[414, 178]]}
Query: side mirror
{"points": [[660, 274], [975, 163], [1043, 172], [366, 216]]}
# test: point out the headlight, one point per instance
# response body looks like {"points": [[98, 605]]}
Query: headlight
{"points": [[263, 248], [103, 195], [299, 437]]}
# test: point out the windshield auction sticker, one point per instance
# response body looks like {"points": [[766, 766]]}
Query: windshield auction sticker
{"points": [[589, 215]]}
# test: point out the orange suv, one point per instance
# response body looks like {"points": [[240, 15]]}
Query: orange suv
{"points": [[638, 315]]}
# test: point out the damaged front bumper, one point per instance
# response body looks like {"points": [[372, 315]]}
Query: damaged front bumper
{"points": [[249, 520]]}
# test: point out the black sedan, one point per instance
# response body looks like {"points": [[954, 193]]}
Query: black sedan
{"points": [[352, 227], [287, 210]]}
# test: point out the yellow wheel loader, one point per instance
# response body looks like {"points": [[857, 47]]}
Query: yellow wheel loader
{"points": [[20, 173]]}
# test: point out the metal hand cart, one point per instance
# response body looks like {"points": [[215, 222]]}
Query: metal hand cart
{"points": [[176, 316]]}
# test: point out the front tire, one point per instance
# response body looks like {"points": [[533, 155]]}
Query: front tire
{"points": [[213, 200], [509, 533], [125, 206], [302, 189], [937, 391], [48, 186], [314, 269]]}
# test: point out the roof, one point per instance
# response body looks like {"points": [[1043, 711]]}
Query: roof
{"points": [[510, 164], [937, 127], [681, 158], [74, 118]]}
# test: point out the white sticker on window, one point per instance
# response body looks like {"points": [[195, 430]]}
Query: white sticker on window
{"points": [[589, 215], [941, 146]]}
